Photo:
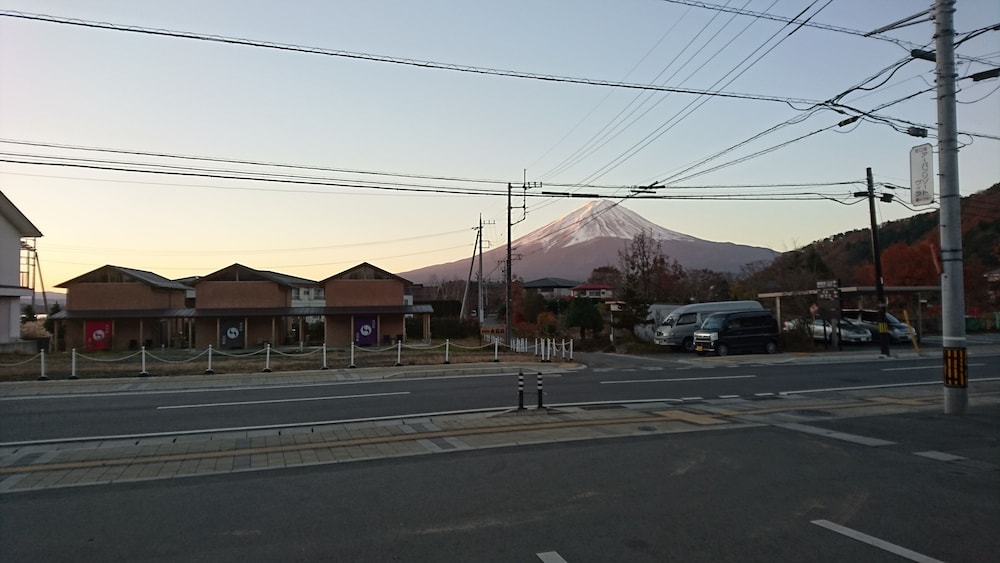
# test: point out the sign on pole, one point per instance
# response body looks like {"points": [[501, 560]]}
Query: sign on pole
{"points": [[921, 175]]}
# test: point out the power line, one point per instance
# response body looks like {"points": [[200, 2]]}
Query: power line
{"points": [[391, 60]]}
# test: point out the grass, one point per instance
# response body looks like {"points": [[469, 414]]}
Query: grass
{"points": [[173, 362]]}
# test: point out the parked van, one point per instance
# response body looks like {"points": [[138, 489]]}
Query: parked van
{"points": [[678, 328], [742, 331]]}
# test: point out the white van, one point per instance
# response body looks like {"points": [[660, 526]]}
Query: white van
{"points": [[678, 328]]}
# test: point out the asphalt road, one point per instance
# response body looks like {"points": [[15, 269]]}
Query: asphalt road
{"points": [[606, 378], [751, 494]]}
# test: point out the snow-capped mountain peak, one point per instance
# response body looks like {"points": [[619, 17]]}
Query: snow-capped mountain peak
{"points": [[595, 220]]}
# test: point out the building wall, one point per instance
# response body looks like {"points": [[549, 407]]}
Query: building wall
{"points": [[360, 293], [242, 294], [89, 296], [10, 250]]}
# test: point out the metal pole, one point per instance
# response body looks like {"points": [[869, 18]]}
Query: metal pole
{"points": [[324, 357], [883, 326], [143, 373], [267, 358], [72, 365], [509, 303], [399, 353], [447, 348], [352, 356], [956, 371], [496, 349], [209, 369], [43, 377]]}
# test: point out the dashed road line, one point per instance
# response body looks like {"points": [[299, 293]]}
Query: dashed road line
{"points": [[853, 438], [271, 401], [551, 557], [676, 379], [873, 541]]}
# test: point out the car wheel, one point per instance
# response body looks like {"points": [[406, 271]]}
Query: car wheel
{"points": [[722, 349], [770, 347], [688, 345]]}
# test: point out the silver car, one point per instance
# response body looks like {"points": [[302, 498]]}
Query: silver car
{"points": [[849, 331]]}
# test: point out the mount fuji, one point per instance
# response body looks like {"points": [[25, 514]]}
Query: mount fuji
{"points": [[590, 237]]}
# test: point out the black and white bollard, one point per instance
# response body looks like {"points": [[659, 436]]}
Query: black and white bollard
{"points": [[520, 390], [540, 393]]}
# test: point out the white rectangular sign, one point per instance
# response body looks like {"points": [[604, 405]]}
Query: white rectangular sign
{"points": [[921, 174]]}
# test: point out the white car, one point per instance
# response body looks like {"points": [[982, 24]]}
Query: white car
{"points": [[823, 330]]}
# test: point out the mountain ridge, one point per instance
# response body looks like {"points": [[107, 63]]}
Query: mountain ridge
{"points": [[590, 237]]}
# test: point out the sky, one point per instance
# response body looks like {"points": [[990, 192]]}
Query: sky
{"points": [[393, 127]]}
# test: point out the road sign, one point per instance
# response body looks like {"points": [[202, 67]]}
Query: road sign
{"points": [[921, 175]]}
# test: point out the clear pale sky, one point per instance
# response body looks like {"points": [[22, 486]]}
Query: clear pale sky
{"points": [[84, 87]]}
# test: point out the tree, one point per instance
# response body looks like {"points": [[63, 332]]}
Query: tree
{"points": [[642, 266], [583, 313]]}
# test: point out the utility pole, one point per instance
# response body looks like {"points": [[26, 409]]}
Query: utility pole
{"points": [[883, 327], [956, 370], [509, 314]]}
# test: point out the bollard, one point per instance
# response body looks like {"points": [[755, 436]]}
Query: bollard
{"points": [[143, 373], [42, 376], [540, 401], [267, 358], [209, 370], [496, 349], [562, 349], [352, 356], [520, 389], [72, 365], [399, 353], [571, 350], [447, 347], [324, 357]]}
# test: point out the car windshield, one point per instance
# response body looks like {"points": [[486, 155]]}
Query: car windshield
{"points": [[713, 322]]}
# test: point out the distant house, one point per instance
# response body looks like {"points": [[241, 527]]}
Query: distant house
{"points": [[116, 308], [596, 291], [14, 227], [551, 288]]}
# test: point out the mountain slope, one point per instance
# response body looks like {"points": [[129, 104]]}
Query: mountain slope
{"points": [[590, 237]]}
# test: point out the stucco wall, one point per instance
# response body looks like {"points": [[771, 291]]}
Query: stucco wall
{"points": [[350, 293], [88, 296], [231, 295]]}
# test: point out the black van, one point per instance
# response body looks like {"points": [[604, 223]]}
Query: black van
{"points": [[747, 331]]}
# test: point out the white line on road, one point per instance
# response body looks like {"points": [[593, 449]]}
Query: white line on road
{"points": [[550, 557], [238, 403], [925, 367], [881, 544], [672, 380], [881, 386]]}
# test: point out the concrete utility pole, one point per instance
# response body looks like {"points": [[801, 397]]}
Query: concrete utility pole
{"points": [[883, 326], [509, 307], [956, 370]]}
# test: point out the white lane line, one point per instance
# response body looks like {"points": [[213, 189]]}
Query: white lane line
{"points": [[238, 403], [672, 380], [881, 386], [881, 544], [925, 367], [853, 438], [550, 557], [940, 456]]}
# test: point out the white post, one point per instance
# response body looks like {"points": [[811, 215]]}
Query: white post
{"points": [[447, 346], [352, 356], [267, 358], [399, 352], [143, 373], [72, 365], [496, 349], [571, 349], [562, 352], [324, 357], [209, 370], [43, 377]]}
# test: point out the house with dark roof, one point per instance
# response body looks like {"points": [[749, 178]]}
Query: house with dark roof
{"points": [[596, 291], [551, 288], [14, 227], [116, 308]]}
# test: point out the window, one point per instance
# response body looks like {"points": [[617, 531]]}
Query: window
{"points": [[687, 319]]}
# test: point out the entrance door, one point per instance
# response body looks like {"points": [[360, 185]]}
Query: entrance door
{"points": [[365, 331]]}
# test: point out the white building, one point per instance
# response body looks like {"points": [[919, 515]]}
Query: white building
{"points": [[14, 227]]}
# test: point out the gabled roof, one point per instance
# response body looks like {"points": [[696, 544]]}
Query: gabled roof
{"points": [[365, 271], [118, 274], [17, 219], [239, 272], [543, 283], [585, 286]]}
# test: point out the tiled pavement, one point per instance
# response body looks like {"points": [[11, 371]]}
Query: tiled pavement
{"points": [[53, 465]]}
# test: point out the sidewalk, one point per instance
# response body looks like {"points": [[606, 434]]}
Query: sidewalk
{"points": [[38, 466]]}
